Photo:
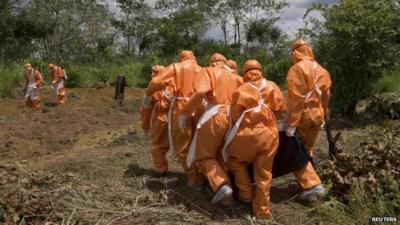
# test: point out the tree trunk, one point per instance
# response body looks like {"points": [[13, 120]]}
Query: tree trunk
{"points": [[238, 30], [235, 37], [129, 43], [120, 89], [223, 27]]}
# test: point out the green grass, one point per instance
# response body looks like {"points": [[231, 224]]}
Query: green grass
{"points": [[79, 75], [85, 75], [360, 206], [390, 82], [10, 77]]}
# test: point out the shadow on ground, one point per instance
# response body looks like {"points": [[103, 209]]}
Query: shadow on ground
{"points": [[175, 185]]}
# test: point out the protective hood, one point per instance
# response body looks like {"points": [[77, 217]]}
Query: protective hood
{"points": [[232, 64], [252, 75], [217, 59], [186, 55], [301, 50]]}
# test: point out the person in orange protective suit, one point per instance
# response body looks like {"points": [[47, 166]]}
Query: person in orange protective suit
{"points": [[154, 117], [181, 76], [232, 64], [254, 138], [57, 82], [308, 98], [217, 88], [33, 83]]}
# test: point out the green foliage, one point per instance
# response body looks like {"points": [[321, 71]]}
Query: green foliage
{"points": [[79, 75], [10, 76], [366, 183], [277, 71], [84, 75], [359, 40], [390, 82], [358, 209], [264, 32]]}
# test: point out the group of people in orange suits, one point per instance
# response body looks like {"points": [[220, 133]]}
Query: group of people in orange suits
{"points": [[219, 123], [34, 82]]}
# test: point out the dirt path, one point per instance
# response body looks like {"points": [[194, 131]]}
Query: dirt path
{"points": [[88, 163]]}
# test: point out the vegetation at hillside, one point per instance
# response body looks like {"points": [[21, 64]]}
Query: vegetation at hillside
{"points": [[358, 41]]}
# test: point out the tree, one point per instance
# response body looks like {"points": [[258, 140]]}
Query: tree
{"points": [[72, 29], [219, 10], [180, 30], [16, 31], [135, 23], [244, 11], [359, 40], [264, 32]]}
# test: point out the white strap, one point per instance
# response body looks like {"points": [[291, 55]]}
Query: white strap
{"points": [[315, 84], [58, 85], [28, 93], [166, 94], [225, 67], [169, 120], [31, 77], [210, 112], [233, 131]]}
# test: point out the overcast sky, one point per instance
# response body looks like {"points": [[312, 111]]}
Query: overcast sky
{"points": [[291, 17]]}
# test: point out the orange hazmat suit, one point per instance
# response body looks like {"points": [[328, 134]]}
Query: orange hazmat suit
{"points": [[308, 98], [181, 76], [33, 84], [254, 138], [217, 88], [57, 82], [155, 119]]}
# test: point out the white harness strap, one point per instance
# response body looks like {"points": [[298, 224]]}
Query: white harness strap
{"points": [[210, 112], [169, 119], [153, 112], [31, 83], [308, 95], [58, 85], [315, 84], [225, 67], [233, 131]]}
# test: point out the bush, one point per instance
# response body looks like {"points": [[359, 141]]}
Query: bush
{"points": [[277, 71], [358, 40], [366, 183], [10, 77], [390, 82]]}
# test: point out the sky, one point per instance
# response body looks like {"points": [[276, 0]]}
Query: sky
{"points": [[291, 16]]}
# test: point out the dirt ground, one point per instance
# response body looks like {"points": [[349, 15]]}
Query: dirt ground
{"points": [[88, 162]]}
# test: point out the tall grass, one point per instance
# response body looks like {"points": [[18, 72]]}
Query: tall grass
{"points": [[358, 208], [79, 75], [10, 77], [83, 75]]}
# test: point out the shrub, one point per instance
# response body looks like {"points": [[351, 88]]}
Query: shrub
{"points": [[357, 41], [277, 71], [366, 183], [10, 77], [390, 82]]}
